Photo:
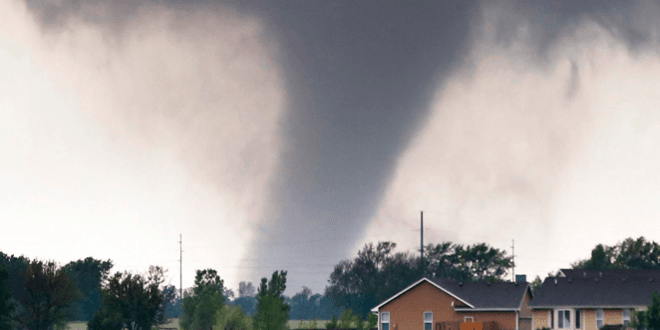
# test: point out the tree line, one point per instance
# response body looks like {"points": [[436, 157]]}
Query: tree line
{"points": [[40, 295]]}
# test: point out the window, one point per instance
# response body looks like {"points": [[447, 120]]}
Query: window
{"points": [[564, 319], [385, 321], [428, 320], [600, 318], [468, 319], [626, 317], [578, 314]]}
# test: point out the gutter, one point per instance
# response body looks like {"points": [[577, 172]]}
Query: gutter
{"points": [[587, 306], [486, 309]]}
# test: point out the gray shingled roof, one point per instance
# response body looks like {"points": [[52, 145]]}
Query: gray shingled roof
{"points": [[610, 273], [609, 290], [506, 295]]}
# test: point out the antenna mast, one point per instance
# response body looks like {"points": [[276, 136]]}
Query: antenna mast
{"points": [[422, 239], [513, 262], [180, 266]]}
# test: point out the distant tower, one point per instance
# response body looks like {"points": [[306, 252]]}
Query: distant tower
{"points": [[422, 239]]}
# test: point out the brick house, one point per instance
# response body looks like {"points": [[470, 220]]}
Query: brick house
{"points": [[440, 303], [581, 299]]}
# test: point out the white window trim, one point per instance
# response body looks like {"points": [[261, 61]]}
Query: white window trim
{"points": [[424, 319], [603, 319], [623, 316], [468, 317], [382, 320], [563, 319]]}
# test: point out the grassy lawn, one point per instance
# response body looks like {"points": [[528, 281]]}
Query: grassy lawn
{"points": [[174, 323], [295, 324], [77, 325]]}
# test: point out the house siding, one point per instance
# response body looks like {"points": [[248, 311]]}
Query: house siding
{"points": [[407, 310], [613, 316], [505, 320], [588, 322], [541, 319], [589, 319], [525, 312]]}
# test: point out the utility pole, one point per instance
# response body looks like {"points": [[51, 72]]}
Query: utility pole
{"points": [[180, 266], [422, 239], [513, 262]]}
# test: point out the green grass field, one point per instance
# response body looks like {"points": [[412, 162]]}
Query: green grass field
{"points": [[295, 324], [77, 325], [174, 323]]}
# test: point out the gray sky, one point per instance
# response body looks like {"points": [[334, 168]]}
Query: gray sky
{"points": [[288, 136]]}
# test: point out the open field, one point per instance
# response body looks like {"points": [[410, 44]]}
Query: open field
{"points": [[77, 325], [295, 324], [174, 323]]}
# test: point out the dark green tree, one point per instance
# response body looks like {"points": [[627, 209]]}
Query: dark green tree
{"points": [[200, 307], [6, 303], [16, 266], [302, 307], [233, 318], [628, 254], [247, 303], [480, 262], [649, 319], [536, 284], [130, 302], [272, 311], [88, 275], [169, 303], [378, 273], [333, 324], [48, 293]]}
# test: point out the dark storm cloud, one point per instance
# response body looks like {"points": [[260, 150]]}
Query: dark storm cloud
{"points": [[633, 22], [359, 78]]}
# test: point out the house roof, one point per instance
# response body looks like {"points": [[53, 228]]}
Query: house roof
{"points": [[610, 273], [497, 295], [607, 291], [494, 296]]}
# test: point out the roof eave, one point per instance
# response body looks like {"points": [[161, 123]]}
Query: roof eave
{"points": [[587, 306], [486, 309]]}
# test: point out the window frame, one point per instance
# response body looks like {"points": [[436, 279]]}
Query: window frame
{"points": [[601, 318], [424, 319], [623, 316], [382, 320], [468, 317], [563, 319]]}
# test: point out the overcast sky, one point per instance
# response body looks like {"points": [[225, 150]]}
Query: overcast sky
{"points": [[286, 136]]}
